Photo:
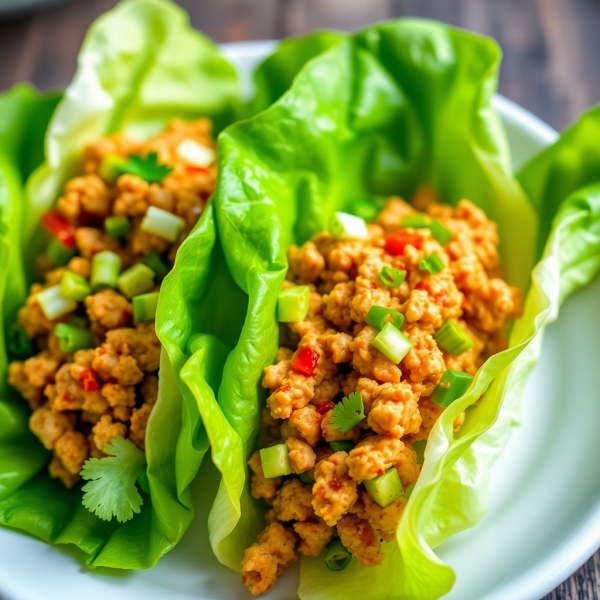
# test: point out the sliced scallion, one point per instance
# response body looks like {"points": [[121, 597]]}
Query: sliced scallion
{"points": [[442, 234], [392, 343], [392, 277], [162, 224], [386, 488], [136, 280], [54, 304], [345, 226], [58, 253], [341, 446], [106, 266], [452, 338], [71, 339], [451, 387], [416, 221], [75, 286], [144, 307], [157, 263], [275, 461], [376, 317], [433, 263], [117, 227], [292, 304], [337, 557]]}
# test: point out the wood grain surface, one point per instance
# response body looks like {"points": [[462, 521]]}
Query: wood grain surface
{"points": [[551, 57]]}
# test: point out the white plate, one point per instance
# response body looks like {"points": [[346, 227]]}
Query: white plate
{"points": [[544, 516]]}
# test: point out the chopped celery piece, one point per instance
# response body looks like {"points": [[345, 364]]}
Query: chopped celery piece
{"points": [[385, 488], [117, 227], [75, 286], [54, 304], [292, 304], [195, 154], [417, 221], [451, 387], [376, 317], [337, 556], [112, 167], [341, 446], [17, 342], [452, 338], [305, 478], [439, 232], [275, 462], [106, 266], [392, 277], [345, 226], [433, 263], [392, 343], [144, 307], [162, 224], [58, 253], [157, 263], [136, 280], [71, 339]]}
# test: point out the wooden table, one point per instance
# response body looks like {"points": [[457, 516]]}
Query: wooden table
{"points": [[551, 52]]}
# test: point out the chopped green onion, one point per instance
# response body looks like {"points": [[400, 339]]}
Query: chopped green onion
{"points": [[433, 263], [117, 227], [386, 488], [408, 491], [162, 223], [79, 321], [17, 342], [71, 339], [54, 304], [392, 343], [305, 478], [376, 317], [112, 167], [136, 280], [392, 277], [58, 253], [275, 462], [341, 446], [144, 307], [156, 262], [452, 338], [75, 286], [292, 304], [106, 266], [337, 557], [142, 480], [442, 234], [345, 226], [451, 387], [417, 221]]}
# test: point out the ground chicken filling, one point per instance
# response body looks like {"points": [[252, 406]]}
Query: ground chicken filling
{"points": [[325, 358], [82, 398]]}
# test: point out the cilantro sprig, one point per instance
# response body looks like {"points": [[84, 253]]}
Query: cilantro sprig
{"points": [[111, 490], [348, 413], [145, 167]]}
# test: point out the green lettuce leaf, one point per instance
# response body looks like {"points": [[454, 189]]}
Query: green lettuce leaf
{"points": [[400, 104], [140, 65]]}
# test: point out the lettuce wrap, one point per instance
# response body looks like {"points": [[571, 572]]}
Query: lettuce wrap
{"points": [[140, 65], [397, 105]]}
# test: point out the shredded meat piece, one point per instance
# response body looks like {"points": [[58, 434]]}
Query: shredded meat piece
{"points": [[301, 455], [314, 537], [261, 486], [360, 539], [373, 456]]}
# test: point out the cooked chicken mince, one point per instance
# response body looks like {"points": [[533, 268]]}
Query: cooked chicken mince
{"points": [[115, 232], [342, 482]]}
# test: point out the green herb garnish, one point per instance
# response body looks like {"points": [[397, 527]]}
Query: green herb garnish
{"points": [[348, 413], [146, 167]]}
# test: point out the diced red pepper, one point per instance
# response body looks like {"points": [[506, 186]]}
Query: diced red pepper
{"points": [[60, 228], [306, 360], [192, 170], [335, 484], [324, 407], [438, 298], [396, 242], [89, 382]]}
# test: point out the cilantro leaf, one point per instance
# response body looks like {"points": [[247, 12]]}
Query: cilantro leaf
{"points": [[111, 490], [146, 167], [348, 413]]}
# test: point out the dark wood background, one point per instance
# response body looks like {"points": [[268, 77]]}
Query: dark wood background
{"points": [[551, 65]]}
